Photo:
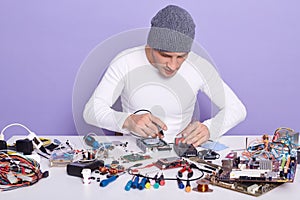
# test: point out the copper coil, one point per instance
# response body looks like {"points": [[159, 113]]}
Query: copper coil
{"points": [[202, 188]]}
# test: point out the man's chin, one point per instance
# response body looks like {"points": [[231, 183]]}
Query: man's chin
{"points": [[168, 74]]}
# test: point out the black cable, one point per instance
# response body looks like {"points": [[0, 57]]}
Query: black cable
{"points": [[170, 179], [142, 110]]}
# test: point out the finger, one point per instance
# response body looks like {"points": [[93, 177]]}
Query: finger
{"points": [[189, 131], [149, 132], [153, 127], [140, 133], [159, 123], [196, 134]]}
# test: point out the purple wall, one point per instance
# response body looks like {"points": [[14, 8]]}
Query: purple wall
{"points": [[255, 45]]}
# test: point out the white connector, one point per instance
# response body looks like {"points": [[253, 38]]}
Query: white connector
{"points": [[1, 136]]}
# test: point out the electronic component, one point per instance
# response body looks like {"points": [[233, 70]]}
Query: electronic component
{"points": [[62, 155], [185, 150], [3, 145], [91, 141], [202, 186], [75, 168], [152, 144], [169, 163], [19, 171], [24, 146], [61, 159], [250, 188], [86, 174], [208, 154], [135, 157], [38, 144]]}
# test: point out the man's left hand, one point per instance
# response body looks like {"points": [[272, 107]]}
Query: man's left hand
{"points": [[195, 133]]}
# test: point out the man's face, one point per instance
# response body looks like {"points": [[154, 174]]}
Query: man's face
{"points": [[167, 63]]}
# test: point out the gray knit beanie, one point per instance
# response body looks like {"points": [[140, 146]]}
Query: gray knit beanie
{"points": [[172, 30]]}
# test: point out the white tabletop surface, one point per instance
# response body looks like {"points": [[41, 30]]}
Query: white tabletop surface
{"points": [[59, 185]]}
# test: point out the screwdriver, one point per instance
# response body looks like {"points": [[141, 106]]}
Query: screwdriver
{"points": [[162, 180], [129, 184], [135, 183], [156, 184], [142, 184], [147, 185], [188, 186], [105, 182], [180, 184]]}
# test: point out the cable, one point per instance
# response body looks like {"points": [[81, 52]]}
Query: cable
{"points": [[32, 136], [170, 179], [10, 125], [18, 171]]}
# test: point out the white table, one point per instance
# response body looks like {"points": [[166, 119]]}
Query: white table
{"points": [[59, 185]]}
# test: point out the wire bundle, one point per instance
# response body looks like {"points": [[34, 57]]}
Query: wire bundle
{"points": [[18, 171], [281, 144]]}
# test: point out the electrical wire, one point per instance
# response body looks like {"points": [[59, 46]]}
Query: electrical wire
{"points": [[18, 171]]}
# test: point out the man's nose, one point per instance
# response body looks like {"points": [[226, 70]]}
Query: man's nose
{"points": [[173, 64]]}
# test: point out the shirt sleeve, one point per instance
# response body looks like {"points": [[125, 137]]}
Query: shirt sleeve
{"points": [[231, 111], [98, 111]]}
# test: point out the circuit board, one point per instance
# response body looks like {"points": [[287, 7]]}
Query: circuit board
{"points": [[134, 157], [250, 188], [265, 164], [153, 144]]}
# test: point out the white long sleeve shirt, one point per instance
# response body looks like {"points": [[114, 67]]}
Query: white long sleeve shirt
{"points": [[141, 86]]}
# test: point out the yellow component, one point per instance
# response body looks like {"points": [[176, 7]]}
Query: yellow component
{"points": [[45, 141], [147, 185]]}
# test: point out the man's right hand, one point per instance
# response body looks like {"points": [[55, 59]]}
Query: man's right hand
{"points": [[145, 125]]}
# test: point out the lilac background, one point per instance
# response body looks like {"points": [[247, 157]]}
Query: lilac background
{"points": [[254, 43]]}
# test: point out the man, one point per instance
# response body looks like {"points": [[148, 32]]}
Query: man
{"points": [[158, 85]]}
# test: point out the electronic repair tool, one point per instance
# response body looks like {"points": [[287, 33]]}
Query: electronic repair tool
{"points": [[161, 180], [186, 168], [105, 182], [188, 186], [156, 184], [183, 149], [148, 184], [129, 184], [152, 144], [142, 184], [135, 182], [180, 184]]}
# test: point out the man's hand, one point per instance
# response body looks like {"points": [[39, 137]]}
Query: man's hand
{"points": [[195, 133], [144, 125]]}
